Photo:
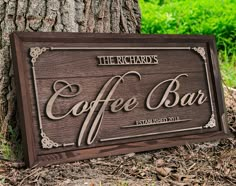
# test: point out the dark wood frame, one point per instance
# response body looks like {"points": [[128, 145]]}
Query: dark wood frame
{"points": [[25, 114]]}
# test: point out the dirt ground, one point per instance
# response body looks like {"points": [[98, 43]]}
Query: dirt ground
{"points": [[211, 163]]}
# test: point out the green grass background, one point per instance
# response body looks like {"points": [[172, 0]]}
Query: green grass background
{"points": [[209, 17]]}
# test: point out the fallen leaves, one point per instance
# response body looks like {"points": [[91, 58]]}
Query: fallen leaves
{"points": [[159, 163], [198, 164], [163, 171]]}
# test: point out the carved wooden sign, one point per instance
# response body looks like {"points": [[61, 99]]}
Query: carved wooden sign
{"points": [[91, 95]]}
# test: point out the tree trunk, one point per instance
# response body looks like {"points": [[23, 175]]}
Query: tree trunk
{"points": [[56, 16]]}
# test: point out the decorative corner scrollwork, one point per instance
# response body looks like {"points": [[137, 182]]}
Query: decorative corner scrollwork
{"points": [[200, 51], [211, 123], [47, 143], [35, 52]]}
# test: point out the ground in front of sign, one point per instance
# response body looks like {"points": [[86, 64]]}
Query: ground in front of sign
{"points": [[199, 164]]}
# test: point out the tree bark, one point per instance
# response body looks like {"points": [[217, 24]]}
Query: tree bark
{"points": [[56, 16]]}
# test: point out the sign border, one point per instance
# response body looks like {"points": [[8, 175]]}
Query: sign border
{"points": [[26, 118]]}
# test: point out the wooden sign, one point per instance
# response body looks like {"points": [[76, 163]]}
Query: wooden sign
{"points": [[83, 96]]}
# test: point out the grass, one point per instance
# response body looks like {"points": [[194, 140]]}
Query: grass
{"points": [[5, 148], [212, 17], [228, 69], [11, 148]]}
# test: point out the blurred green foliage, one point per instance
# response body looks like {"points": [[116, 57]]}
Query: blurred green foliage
{"points": [[12, 148], [209, 17]]}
